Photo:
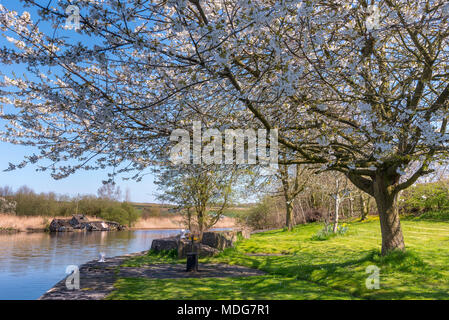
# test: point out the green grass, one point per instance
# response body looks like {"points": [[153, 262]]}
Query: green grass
{"points": [[308, 269], [326, 233], [248, 288]]}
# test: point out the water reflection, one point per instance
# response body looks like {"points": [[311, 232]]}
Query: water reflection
{"points": [[31, 263]]}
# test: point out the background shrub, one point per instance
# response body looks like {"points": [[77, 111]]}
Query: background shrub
{"points": [[124, 214], [425, 197]]}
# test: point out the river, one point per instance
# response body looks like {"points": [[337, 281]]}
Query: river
{"points": [[31, 263]]}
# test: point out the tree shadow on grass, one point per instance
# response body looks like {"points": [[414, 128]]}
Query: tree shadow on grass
{"points": [[260, 287], [406, 269]]}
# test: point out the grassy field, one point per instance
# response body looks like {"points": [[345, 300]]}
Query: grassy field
{"points": [[309, 269]]}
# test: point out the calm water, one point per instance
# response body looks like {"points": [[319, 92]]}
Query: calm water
{"points": [[31, 263]]}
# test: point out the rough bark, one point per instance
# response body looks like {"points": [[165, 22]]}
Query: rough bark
{"points": [[337, 206], [351, 206], [289, 218], [384, 186], [337, 199], [189, 219], [392, 237], [288, 196], [364, 207], [302, 212], [200, 217]]}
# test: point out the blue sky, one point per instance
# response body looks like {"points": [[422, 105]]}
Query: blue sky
{"points": [[83, 182]]}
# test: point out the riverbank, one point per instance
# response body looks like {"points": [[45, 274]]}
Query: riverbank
{"points": [[98, 279], [15, 223], [11, 223]]}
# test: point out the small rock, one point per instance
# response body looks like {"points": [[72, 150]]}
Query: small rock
{"points": [[185, 246], [219, 239]]}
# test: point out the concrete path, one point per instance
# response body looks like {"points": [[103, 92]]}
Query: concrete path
{"points": [[170, 271]]}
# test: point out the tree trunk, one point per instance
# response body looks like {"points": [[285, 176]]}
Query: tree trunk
{"points": [[351, 206], [397, 201], [337, 205], [289, 218], [302, 211], [364, 207], [367, 206], [200, 226], [189, 219], [392, 238], [312, 201]]}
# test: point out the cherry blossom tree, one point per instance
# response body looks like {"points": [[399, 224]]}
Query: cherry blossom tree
{"points": [[358, 87]]}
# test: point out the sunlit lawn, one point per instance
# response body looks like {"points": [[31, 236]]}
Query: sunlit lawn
{"points": [[309, 269]]}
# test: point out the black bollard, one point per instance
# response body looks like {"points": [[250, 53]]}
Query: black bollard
{"points": [[192, 256], [192, 262]]}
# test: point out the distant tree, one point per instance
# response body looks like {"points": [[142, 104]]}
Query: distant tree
{"points": [[115, 214], [128, 195], [201, 192], [6, 191], [131, 213], [258, 216], [364, 205], [267, 213], [292, 184], [123, 213], [340, 193], [110, 191]]}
